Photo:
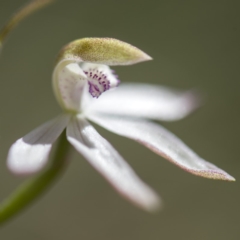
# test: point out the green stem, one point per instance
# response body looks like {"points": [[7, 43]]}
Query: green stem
{"points": [[33, 188], [28, 9]]}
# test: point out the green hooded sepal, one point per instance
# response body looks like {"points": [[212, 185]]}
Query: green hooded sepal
{"points": [[106, 51]]}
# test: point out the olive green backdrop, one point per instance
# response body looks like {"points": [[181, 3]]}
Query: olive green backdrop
{"points": [[195, 45]]}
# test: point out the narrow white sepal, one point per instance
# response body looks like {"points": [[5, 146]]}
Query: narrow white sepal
{"points": [[162, 142], [147, 101], [30, 153], [107, 161]]}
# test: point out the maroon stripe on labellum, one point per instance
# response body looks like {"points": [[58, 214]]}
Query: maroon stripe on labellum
{"points": [[98, 82]]}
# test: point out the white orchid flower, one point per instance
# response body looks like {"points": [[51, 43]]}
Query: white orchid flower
{"points": [[80, 77]]}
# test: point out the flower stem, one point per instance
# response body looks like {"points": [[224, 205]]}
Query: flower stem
{"points": [[28, 9], [33, 188]]}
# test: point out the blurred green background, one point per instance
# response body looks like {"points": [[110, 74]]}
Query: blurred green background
{"points": [[195, 44]]}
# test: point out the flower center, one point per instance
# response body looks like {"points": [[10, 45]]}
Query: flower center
{"points": [[97, 82], [77, 83], [100, 80]]}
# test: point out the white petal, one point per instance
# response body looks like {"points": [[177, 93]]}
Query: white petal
{"points": [[68, 83], [30, 153], [147, 101], [105, 159], [162, 142]]}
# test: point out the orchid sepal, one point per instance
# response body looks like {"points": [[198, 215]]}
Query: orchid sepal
{"points": [[108, 51]]}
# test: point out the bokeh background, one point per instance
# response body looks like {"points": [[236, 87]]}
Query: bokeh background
{"points": [[195, 44]]}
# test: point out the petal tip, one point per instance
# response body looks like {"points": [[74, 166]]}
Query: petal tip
{"points": [[17, 165], [224, 177], [216, 175], [146, 57], [198, 98], [155, 207], [193, 100], [15, 168], [230, 178], [151, 204]]}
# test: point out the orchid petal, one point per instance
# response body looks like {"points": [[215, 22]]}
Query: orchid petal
{"points": [[106, 160], [68, 85], [146, 101], [30, 153], [162, 142]]}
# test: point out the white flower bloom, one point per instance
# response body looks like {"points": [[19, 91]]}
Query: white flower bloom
{"points": [[79, 88]]}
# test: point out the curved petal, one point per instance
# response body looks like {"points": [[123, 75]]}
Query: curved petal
{"points": [[106, 160], [162, 142], [146, 101], [30, 153], [68, 84]]}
